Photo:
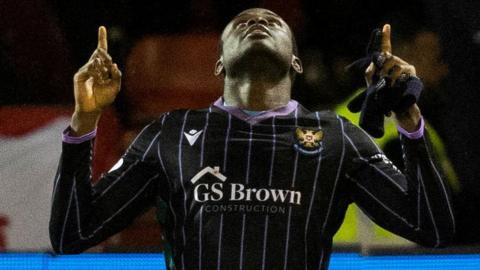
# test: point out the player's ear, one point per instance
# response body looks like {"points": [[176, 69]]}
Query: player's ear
{"points": [[297, 64], [219, 69]]}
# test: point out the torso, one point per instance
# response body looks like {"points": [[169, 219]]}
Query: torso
{"points": [[252, 196]]}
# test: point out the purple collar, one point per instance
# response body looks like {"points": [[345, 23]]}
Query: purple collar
{"points": [[253, 119]]}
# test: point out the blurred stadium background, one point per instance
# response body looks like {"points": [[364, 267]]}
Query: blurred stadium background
{"points": [[167, 51]]}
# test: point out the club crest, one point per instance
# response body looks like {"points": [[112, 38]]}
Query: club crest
{"points": [[308, 141]]}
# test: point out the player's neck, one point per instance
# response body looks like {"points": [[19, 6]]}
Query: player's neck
{"points": [[256, 94]]}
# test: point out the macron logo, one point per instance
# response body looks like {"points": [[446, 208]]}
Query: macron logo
{"points": [[215, 171], [192, 136]]}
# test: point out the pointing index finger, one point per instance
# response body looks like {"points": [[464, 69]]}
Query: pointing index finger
{"points": [[386, 44], [102, 38]]}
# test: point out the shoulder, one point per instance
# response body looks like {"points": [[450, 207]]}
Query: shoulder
{"points": [[325, 116], [181, 114], [176, 118], [343, 127], [338, 122]]}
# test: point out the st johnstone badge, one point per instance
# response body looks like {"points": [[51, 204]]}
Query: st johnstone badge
{"points": [[308, 141]]}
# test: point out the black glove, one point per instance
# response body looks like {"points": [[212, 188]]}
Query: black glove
{"points": [[372, 52], [372, 110]]}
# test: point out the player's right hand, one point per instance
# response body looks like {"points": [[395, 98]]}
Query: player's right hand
{"points": [[97, 83]]}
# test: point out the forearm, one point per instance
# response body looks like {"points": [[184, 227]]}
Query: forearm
{"points": [[421, 198], [415, 203], [421, 167], [84, 215], [409, 119], [71, 183], [82, 123]]}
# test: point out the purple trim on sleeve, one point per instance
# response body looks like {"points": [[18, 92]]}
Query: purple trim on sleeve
{"points": [[413, 135], [67, 138], [253, 119]]}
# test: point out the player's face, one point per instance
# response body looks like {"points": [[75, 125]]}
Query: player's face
{"points": [[257, 30]]}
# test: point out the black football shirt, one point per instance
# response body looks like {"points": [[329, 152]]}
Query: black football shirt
{"points": [[250, 192]]}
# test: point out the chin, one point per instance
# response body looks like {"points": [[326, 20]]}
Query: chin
{"points": [[261, 47], [258, 53]]}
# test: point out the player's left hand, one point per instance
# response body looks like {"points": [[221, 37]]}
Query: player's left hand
{"points": [[388, 65], [394, 70]]}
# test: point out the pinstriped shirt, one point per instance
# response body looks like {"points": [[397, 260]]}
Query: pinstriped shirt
{"points": [[250, 192]]}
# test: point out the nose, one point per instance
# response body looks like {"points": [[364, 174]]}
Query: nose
{"points": [[257, 20]]}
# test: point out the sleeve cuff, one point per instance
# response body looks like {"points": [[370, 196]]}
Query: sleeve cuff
{"points": [[413, 135], [68, 138]]}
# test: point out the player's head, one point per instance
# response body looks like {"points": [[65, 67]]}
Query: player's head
{"points": [[257, 32]]}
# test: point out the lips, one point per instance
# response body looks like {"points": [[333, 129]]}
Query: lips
{"points": [[257, 28]]}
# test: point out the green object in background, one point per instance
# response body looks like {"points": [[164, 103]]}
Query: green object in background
{"points": [[348, 231]]}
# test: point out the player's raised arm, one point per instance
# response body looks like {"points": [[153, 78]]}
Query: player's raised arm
{"points": [[83, 215], [96, 84], [416, 203]]}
